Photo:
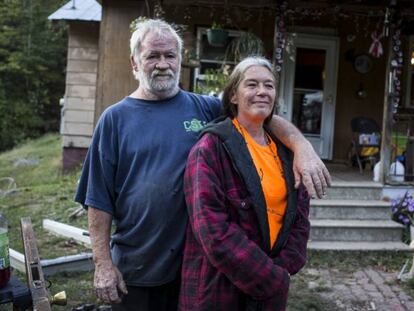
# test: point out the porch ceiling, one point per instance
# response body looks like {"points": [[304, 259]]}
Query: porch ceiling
{"points": [[358, 5]]}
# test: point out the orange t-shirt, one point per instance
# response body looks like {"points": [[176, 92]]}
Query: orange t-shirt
{"points": [[271, 176]]}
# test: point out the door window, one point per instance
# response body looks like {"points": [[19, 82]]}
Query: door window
{"points": [[308, 90]]}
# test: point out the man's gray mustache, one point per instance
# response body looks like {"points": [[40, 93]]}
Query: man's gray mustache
{"points": [[168, 72]]}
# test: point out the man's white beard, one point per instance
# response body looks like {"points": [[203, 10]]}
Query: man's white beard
{"points": [[151, 84]]}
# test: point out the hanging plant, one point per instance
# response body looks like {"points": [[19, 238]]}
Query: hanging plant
{"points": [[247, 44], [217, 36]]}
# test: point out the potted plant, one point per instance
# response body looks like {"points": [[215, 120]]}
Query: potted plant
{"points": [[216, 35], [190, 59], [247, 44], [213, 81]]}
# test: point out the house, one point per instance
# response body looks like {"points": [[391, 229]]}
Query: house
{"points": [[326, 50], [336, 60], [78, 105]]}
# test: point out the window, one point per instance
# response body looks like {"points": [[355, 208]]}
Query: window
{"points": [[211, 57]]}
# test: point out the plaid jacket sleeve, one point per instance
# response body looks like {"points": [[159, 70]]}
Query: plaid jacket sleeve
{"points": [[293, 255], [223, 241]]}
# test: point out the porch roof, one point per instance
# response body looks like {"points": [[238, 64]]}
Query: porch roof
{"points": [[358, 6], [81, 10]]}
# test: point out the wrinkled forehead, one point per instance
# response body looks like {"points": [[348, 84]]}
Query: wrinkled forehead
{"points": [[258, 71], [159, 41]]}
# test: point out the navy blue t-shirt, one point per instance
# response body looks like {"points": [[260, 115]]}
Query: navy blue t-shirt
{"points": [[134, 171]]}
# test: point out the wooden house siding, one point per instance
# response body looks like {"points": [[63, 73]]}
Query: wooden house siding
{"points": [[81, 78], [115, 79], [348, 104]]}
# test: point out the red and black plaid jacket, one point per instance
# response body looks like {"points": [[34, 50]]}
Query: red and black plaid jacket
{"points": [[228, 263]]}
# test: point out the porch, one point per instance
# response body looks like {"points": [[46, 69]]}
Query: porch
{"points": [[341, 172], [356, 214]]}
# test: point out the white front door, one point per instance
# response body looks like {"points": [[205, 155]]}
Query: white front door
{"points": [[308, 89]]}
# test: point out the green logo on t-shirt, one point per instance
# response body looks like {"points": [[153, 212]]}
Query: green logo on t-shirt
{"points": [[194, 125]]}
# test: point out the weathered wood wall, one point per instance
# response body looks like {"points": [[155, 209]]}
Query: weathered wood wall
{"points": [[348, 104], [79, 102], [115, 79]]}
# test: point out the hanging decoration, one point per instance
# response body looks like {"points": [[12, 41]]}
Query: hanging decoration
{"points": [[376, 49], [280, 42], [394, 81]]}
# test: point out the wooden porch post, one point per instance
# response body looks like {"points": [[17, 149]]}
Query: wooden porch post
{"points": [[387, 120], [115, 79]]}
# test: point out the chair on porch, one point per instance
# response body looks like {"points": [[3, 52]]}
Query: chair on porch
{"points": [[365, 144]]}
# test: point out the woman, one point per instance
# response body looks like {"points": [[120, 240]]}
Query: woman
{"points": [[248, 225]]}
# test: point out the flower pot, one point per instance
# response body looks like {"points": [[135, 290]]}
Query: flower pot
{"points": [[217, 37], [191, 63]]}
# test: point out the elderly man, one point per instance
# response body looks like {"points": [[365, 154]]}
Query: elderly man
{"points": [[134, 169]]}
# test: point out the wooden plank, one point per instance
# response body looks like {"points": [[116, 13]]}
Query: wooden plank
{"points": [[80, 78], [72, 263], [79, 103], [17, 261], [83, 35], [76, 141], [85, 91], [77, 129], [68, 231], [34, 272], [80, 65], [78, 116], [83, 53]]}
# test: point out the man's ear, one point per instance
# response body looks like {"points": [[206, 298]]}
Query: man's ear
{"points": [[133, 63]]}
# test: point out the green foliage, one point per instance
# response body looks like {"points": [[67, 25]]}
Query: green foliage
{"points": [[32, 62], [44, 192], [247, 44], [215, 25], [214, 82]]}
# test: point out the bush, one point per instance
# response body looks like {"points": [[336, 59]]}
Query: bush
{"points": [[32, 62]]}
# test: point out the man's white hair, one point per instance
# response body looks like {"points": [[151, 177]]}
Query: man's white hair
{"points": [[155, 26]]}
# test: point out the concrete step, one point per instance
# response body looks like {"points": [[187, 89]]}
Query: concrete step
{"points": [[350, 209], [355, 190], [357, 246], [355, 230]]}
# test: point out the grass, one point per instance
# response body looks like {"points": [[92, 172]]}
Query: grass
{"points": [[303, 298], [44, 192], [353, 261]]}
